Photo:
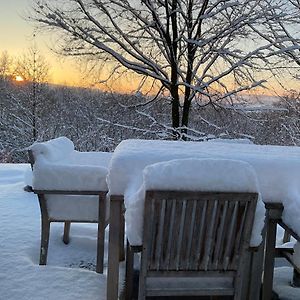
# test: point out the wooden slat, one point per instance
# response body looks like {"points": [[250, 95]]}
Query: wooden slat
{"points": [[216, 225], [176, 230], [113, 248], [239, 234], [159, 244], [190, 236], [152, 213], [199, 246], [231, 233], [212, 210], [170, 235], [224, 236], [180, 235], [220, 237]]}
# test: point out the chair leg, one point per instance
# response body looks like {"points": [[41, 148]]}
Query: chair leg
{"points": [[101, 234], [44, 241], [66, 237], [141, 288], [121, 237], [129, 272]]}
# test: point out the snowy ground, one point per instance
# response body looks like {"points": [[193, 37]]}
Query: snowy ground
{"points": [[69, 273]]}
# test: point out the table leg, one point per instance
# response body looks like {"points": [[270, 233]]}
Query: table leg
{"points": [[269, 259], [101, 233], [112, 291], [122, 235]]}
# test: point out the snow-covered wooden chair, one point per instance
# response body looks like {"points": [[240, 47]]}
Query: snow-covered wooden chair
{"points": [[71, 187], [199, 236]]}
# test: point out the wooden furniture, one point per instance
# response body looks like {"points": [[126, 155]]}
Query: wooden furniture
{"points": [[47, 219], [68, 206], [274, 218], [195, 244], [132, 156], [67, 224]]}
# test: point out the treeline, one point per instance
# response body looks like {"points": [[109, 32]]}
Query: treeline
{"points": [[98, 121]]}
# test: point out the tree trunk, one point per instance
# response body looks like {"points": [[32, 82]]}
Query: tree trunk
{"points": [[34, 104], [186, 113], [175, 110]]}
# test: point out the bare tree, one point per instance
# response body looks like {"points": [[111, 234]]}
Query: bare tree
{"points": [[287, 74], [34, 70], [201, 50], [5, 65]]}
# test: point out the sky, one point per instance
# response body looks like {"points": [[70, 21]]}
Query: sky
{"points": [[16, 36]]}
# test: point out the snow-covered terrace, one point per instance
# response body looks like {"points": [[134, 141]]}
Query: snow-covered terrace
{"points": [[69, 273]]}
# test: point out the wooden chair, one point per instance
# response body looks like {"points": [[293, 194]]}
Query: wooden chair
{"points": [[197, 244], [99, 205], [67, 224]]}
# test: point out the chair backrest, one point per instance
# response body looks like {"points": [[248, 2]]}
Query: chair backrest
{"points": [[196, 231], [52, 150]]}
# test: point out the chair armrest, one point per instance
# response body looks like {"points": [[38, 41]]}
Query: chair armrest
{"points": [[69, 192], [62, 177]]}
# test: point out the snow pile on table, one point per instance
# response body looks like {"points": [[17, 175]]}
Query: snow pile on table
{"points": [[59, 167], [216, 175], [69, 273], [277, 168]]}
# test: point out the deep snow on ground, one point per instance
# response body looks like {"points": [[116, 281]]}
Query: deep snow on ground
{"points": [[69, 274]]}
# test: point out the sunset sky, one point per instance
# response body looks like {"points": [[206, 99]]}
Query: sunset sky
{"points": [[16, 36]]}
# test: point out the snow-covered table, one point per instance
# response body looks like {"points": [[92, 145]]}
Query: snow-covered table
{"points": [[277, 168]]}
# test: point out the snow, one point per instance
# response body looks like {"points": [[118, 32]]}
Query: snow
{"points": [[277, 168], [69, 177], [69, 273], [232, 141], [291, 212], [67, 207], [282, 284], [218, 175], [59, 167], [53, 150]]}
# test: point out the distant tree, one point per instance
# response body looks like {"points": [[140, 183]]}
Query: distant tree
{"points": [[33, 68], [5, 65], [290, 121], [198, 50]]}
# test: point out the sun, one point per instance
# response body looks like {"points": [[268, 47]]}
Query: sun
{"points": [[19, 78]]}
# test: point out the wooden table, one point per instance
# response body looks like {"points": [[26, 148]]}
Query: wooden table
{"points": [[132, 156], [274, 218]]}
